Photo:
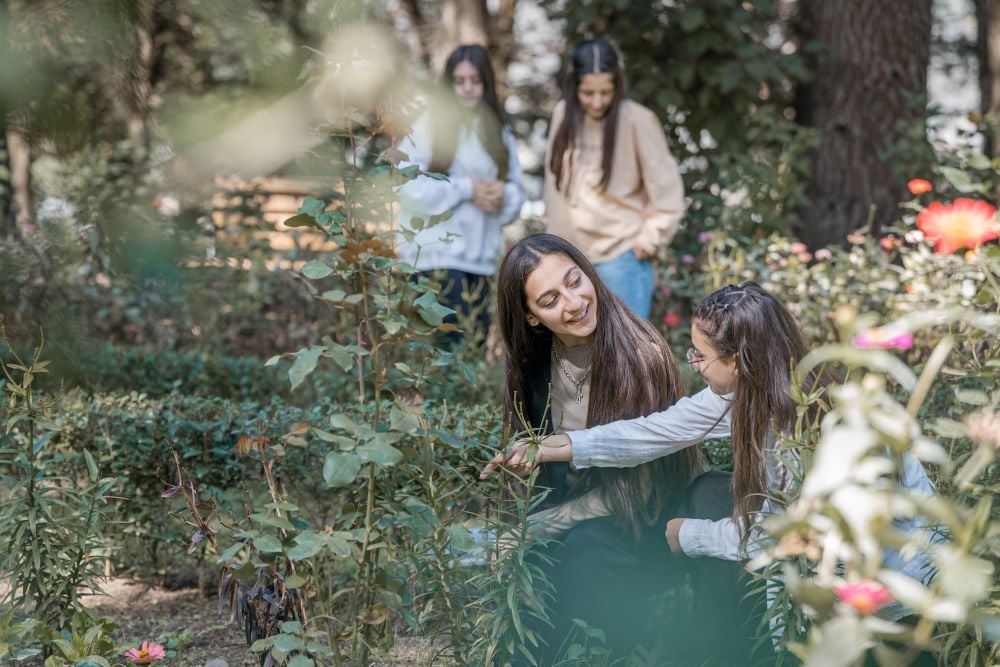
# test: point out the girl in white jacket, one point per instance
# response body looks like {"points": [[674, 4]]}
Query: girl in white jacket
{"points": [[468, 141]]}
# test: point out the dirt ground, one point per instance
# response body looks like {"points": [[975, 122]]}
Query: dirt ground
{"points": [[145, 612]]}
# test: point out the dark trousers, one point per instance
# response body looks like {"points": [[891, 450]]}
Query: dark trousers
{"points": [[468, 294], [606, 578], [723, 622]]}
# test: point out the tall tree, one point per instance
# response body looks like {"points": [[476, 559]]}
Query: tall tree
{"points": [[6, 187], [988, 55], [869, 82]]}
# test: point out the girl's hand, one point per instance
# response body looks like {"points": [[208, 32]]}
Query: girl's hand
{"points": [[517, 459], [487, 195]]}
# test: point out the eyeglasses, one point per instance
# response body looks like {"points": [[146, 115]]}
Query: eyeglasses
{"points": [[694, 358]]}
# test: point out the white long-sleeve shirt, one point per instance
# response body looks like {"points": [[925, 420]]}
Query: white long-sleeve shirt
{"points": [[692, 420], [470, 240]]}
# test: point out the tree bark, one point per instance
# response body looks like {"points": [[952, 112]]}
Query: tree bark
{"points": [[19, 152], [870, 76], [7, 227], [464, 22], [988, 50], [141, 83], [502, 42]]}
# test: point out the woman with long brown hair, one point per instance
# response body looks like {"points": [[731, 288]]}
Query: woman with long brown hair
{"points": [[578, 357], [745, 345], [463, 134], [611, 185]]}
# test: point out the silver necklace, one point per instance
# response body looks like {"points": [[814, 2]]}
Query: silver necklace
{"points": [[558, 350]]}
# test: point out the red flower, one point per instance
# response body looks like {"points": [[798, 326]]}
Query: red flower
{"points": [[919, 186], [964, 223], [866, 596], [671, 319]]}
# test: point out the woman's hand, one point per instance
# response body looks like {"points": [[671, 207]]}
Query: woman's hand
{"points": [[517, 459], [673, 534], [643, 249], [487, 195], [521, 458]]}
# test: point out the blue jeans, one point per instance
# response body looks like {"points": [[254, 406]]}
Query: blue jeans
{"points": [[631, 279]]}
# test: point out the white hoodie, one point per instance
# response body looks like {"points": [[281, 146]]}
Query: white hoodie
{"points": [[475, 235]]}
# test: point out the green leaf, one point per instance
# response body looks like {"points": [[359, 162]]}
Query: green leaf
{"points": [[315, 270], [91, 466], [262, 645], [430, 310], [340, 468], [312, 206], [294, 581], [305, 363], [400, 420], [948, 428], [92, 661], [973, 396], [268, 544], [288, 643], [379, 451], [300, 661], [960, 180], [302, 220], [230, 553], [691, 18]]}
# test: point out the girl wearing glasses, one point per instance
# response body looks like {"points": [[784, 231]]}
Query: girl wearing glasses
{"points": [[578, 357], [745, 343]]}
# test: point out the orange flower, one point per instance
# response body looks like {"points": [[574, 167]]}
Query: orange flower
{"points": [[866, 596], [964, 223], [919, 186]]}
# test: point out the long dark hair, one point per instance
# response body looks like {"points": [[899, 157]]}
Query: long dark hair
{"points": [[490, 113], [633, 374], [747, 323], [594, 56]]}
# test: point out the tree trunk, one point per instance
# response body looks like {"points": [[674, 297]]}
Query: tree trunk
{"points": [[502, 42], [464, 22], [7, 227], [870, 76], [988, 50], [141, 83], [422, 30], [19, 152]]}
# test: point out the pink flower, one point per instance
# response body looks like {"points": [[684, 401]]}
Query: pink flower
{"points": [[666, 290], [706, 237], [866, 596], [919, 186], [671, 319], [687, 259], [146, 654], [889, 242], [884, 340], [798, 248], [823, 254], [805, 256]]}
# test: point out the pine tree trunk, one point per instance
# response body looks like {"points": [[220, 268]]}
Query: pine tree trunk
{"points": [[870, 76]]}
